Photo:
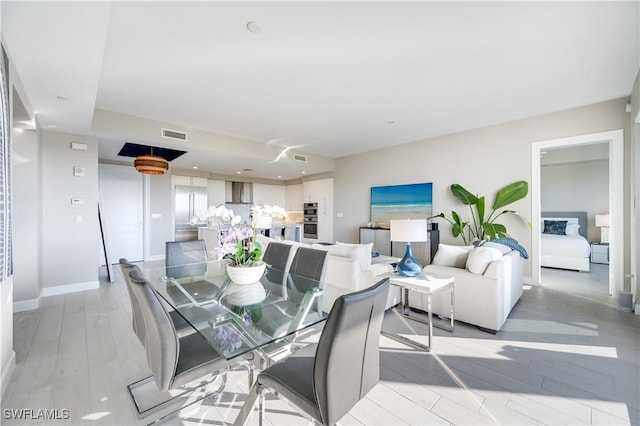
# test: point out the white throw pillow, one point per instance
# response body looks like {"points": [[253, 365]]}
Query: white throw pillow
{"points": [[572, 229], [359, 252], [503, 248], [480, 258], [455, 256]]}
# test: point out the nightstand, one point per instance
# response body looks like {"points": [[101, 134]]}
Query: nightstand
{"points": [[599, 253]]}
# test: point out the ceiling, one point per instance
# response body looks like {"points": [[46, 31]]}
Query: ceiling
{"points": [[327, 79]]}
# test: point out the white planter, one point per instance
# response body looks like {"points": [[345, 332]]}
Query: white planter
{"points": [[247, 274]]}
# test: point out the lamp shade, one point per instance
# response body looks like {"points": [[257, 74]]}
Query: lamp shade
{"points": [[602, 220], [409, 230]]}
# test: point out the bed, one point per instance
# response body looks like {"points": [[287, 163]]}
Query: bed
{"points": [[568, 250]]}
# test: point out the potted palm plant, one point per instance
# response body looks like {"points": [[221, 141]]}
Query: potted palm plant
{"points": [[482, 226]]}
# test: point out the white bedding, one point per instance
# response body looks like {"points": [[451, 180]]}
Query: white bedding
{"points": [[565, 245]]}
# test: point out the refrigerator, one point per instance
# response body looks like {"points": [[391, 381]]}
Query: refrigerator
{"points": [[189, 201]]}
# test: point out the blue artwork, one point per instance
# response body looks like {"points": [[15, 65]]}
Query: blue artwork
{"points": [[413, 201]]}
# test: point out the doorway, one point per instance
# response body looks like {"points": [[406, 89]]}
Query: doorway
{"points": [[574, 183], [121, 196], [615, 139]]}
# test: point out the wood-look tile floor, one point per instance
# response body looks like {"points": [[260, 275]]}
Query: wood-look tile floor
{"points": [[560, 359]]}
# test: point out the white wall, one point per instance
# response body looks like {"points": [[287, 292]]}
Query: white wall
{"points": [[26, 202], [482, 160], [160, 203], [634, 192], [577, 187], [70, 233]]}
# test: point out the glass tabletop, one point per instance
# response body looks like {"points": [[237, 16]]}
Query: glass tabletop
{"points": [[236, 319]]}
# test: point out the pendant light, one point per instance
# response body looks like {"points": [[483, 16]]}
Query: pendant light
{"points": [[151, 164]]}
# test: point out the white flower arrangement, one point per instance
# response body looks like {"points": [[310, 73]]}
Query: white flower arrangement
{"points": [[237, 242]]}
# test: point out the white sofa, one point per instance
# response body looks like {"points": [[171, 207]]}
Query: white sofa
{"points": [[348, 267], [488, 283]]}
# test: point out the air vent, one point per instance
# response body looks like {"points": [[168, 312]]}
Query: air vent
{"points": [[174, 134], [300, 158]]}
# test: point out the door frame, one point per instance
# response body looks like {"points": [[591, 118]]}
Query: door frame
{"points": [[615, 138]]}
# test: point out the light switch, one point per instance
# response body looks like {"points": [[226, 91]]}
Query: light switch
{"points": [[78, 146], [77, 201], [156, 216]]}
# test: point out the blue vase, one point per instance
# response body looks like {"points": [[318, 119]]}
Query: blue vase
{"points": [[409, 266]]}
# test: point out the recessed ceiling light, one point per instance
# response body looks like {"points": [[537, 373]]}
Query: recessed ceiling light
{"points": [[239, 172], [254, 27], [279, 177], [195, 167], [61, 98], [303, 172]]}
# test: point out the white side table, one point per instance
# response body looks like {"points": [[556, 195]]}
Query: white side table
{"points": [[428, 284], [599, 253]]}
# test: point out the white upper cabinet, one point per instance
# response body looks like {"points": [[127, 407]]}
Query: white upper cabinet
{"points": [[293, 197], [273, 195], [189, 181]]}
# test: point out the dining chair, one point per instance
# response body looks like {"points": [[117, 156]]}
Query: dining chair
{"points": [[186, 261], [325, 380], [306, 272], [278, 258], [176, 361], [195, 315]]}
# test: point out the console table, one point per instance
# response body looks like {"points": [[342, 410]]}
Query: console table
{"points": [[381, 239]]}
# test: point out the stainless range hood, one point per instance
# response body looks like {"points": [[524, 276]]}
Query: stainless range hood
{"points": [[239, 192]]}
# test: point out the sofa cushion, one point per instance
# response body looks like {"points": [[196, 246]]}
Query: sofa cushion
{"points": [[455, 256], [503, 248], [480, 257], [358, 252]]}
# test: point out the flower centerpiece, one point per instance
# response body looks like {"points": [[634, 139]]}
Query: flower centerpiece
{"points": [[238, 239]]}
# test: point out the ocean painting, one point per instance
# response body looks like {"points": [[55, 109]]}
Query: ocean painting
{"points": [[412, 201]]}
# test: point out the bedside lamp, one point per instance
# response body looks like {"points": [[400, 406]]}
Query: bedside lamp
{"points": [[410, 230], [602, 221]]}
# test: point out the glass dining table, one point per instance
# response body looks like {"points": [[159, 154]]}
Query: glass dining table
{"points": [[237, 319]]}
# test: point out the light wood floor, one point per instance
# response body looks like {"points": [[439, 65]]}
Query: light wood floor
{"points": [[561, 359]]}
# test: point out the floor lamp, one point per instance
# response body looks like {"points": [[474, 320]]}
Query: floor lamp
{"points": [[409, 230]]}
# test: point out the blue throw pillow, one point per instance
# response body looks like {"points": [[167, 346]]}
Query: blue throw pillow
{"points": [[557, 227]]}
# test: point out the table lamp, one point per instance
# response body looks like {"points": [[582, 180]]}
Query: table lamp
{"points": [[602, 221], [409, 230]]}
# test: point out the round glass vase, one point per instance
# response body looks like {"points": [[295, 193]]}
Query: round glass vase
{"points": [[244, 275]]}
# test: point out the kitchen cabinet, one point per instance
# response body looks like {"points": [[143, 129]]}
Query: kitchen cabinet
{"points": [[293, 197], [216, 192], [321, 191], [273, 195], [189, 181]]}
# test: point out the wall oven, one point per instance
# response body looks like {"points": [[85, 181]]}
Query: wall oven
{"points": [[310, 223]]}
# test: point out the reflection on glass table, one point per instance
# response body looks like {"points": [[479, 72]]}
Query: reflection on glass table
{"points": [[237, 319]]}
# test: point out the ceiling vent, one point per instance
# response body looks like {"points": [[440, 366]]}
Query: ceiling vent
{"points": [[300, 158], [174, 134]]}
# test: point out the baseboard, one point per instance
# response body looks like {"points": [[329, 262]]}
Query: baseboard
{"points": [[69, 288], [27, 305], [7, 371]]}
